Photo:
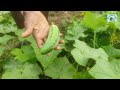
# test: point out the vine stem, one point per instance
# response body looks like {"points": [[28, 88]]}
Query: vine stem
{"points": [[94, 40]]}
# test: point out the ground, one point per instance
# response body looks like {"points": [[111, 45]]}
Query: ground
{"points": [[59, 17]]}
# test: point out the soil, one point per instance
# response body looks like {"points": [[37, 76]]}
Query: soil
{"points": [[58, 16], [61, 18]]}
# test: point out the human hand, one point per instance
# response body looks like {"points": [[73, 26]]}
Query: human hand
{"points": [[36, 24]]}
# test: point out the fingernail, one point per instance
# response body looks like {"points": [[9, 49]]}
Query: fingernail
{"points": [[23, 35], [61, 34], [61, 42], [58, 48], [40, 46]]}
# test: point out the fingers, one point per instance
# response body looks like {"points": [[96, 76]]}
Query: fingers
{"points": [[61, 42], [40, 35], [39, 42], [61, 34], [44, 40], [57, 48], [27, 33], [36, 24], [29, 29]]}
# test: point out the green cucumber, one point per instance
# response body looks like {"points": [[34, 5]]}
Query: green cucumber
{"points": [[52, 40]]}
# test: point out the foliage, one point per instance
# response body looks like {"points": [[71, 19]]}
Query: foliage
{"points": [[60, 68], [82, 53], [14, 69], [91, 50]]}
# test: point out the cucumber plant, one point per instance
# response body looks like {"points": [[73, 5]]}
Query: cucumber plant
{"points": [[91, 50]]}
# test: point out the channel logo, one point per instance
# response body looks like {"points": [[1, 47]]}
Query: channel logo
{"points": [[112, 18]]}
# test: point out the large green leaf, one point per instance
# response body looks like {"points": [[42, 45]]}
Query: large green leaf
{"points": [[16, 70], [75, 31], [5, 39], [94, 21], [90, 20], [112, 52], [45, 60], [106, 70], [115, 65], [29, 39], [19, 55], [24, 54], [82, 53], [82, 75], [7, 28], [16, 74], [19, 33], [11, 69], [29, 51], [7, 23], [60, 69], [33, 70]]}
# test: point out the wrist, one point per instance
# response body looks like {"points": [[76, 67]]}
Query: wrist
{"points": [[18, 17]]}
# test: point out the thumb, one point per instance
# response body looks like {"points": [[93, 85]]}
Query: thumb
{"points": [[27, 33], [29, 29]]}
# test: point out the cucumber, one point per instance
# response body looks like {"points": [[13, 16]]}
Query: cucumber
{"points": [[52, 40]]}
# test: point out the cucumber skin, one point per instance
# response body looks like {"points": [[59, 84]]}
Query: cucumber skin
{"points": [[52, 40]]}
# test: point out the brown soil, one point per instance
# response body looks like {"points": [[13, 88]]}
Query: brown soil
{"points": [[58, 16]]}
